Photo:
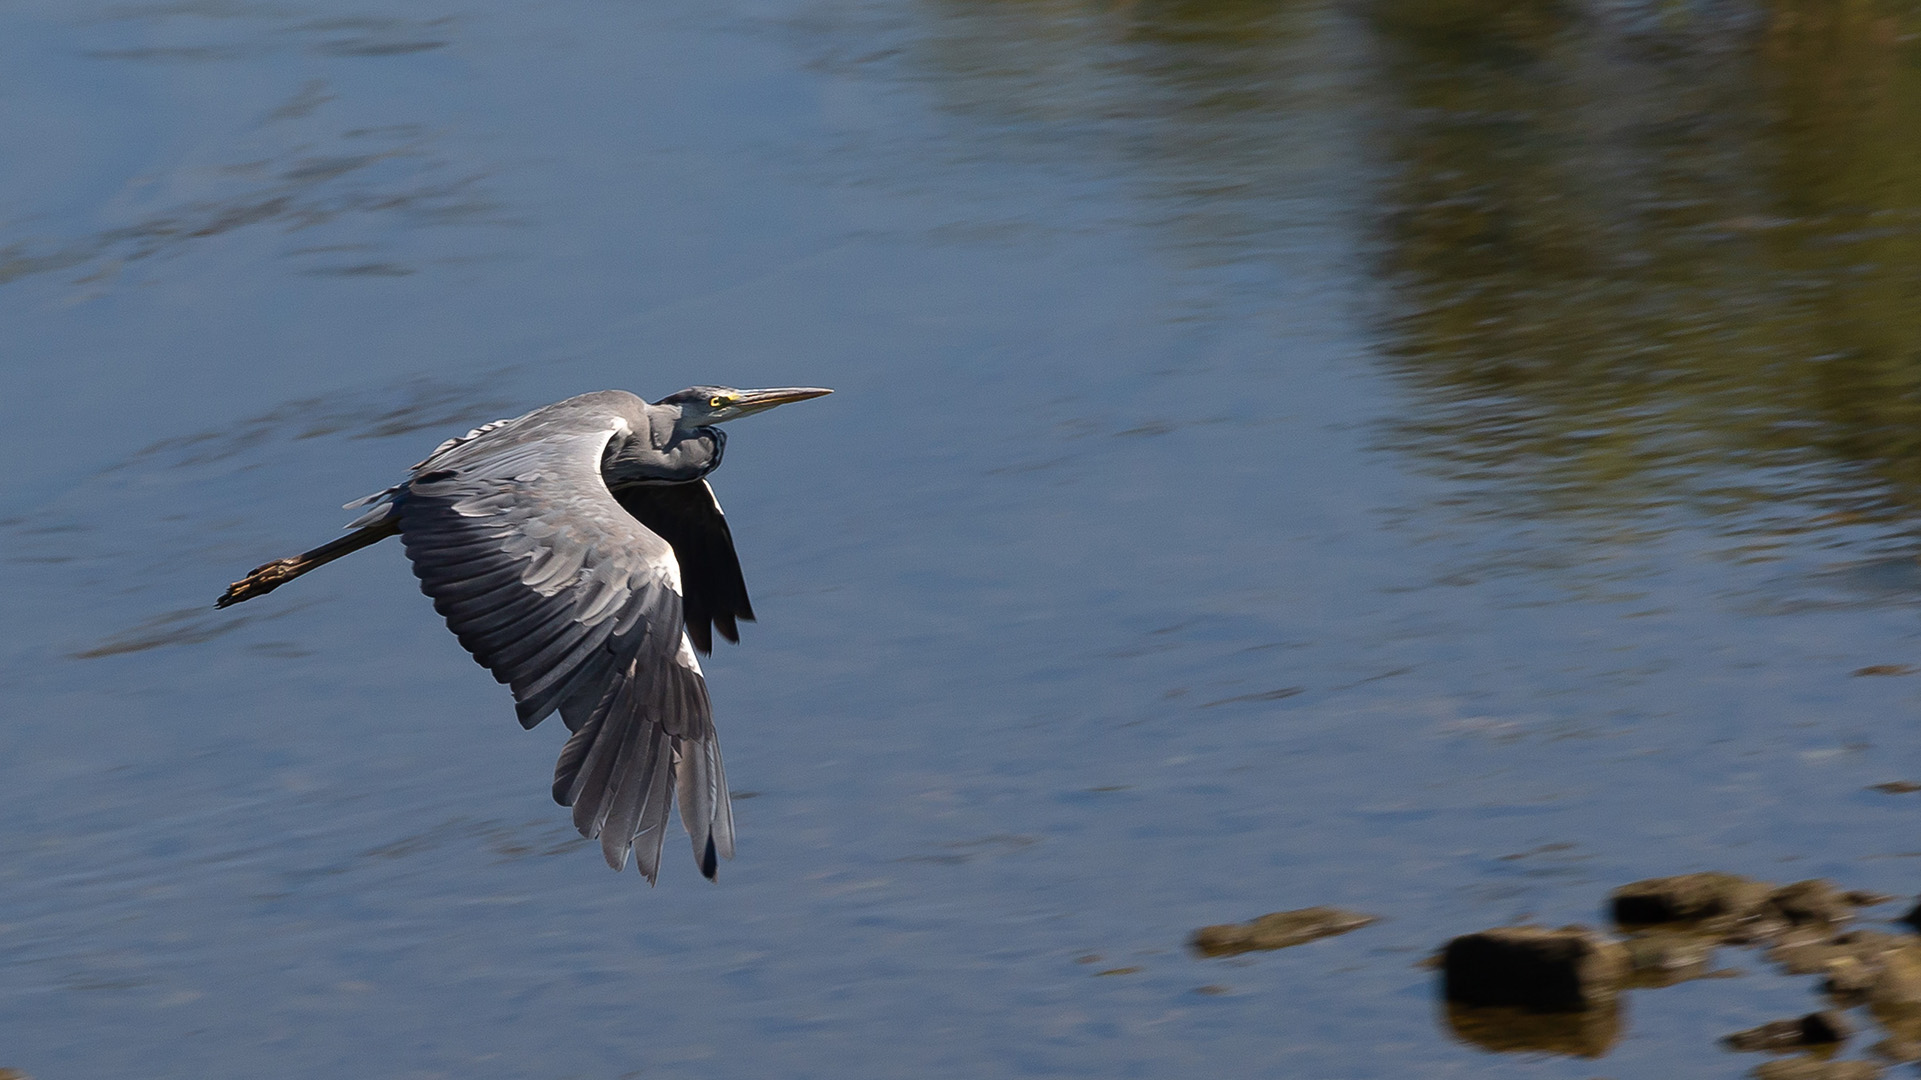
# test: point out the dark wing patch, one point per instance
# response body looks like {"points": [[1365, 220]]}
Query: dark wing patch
{"points": [[687, 516]]}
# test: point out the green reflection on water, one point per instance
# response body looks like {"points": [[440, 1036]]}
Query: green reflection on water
{"points": [[1633, 255], [1671, 262]]}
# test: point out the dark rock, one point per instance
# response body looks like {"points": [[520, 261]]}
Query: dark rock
{"points": [[1913, 917], [1709, 901], [1741, 911], [1773, 1035], [1535, 968], [1588, 1033], [1824, 1028], [1277, 931], [1812, 903]]}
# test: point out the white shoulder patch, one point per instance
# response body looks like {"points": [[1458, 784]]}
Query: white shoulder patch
{"points": [[685, 657]]}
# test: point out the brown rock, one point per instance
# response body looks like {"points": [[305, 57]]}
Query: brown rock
{"points": [[1892, 970], [1869, 943], [1742, 911], [1707, 901], [1535, 968], [1806, 950], [1896, 985], [1848, 980], [1812, 903], [1898, 1048], [1824, 1028], [1277, 931], [1664, 957]]}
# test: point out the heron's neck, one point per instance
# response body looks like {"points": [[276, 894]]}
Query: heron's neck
{"points": [[664, 455]]}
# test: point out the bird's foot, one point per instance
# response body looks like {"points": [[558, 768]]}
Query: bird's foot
{"points": [[262, 580]]}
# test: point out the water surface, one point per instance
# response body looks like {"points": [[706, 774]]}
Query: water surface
{"points": [[1441, 458]]}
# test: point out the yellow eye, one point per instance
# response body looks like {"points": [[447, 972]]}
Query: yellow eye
{"points": [[716, 402]]}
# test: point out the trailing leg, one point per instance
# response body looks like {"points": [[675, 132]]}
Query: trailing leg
{"points": [[265, 579]]}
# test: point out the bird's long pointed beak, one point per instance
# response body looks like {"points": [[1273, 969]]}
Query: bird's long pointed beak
{"points": [[753, 401]]}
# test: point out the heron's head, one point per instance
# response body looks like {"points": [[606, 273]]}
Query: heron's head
{"points": [[701, 406]]}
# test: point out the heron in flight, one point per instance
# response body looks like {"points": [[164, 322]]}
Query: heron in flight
{"points": [[580, 555]]}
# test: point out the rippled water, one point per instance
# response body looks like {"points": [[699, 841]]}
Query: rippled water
{"points": [[1442, 458]]}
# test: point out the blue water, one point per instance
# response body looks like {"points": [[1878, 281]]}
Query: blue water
{"points": [[1442, 459]]}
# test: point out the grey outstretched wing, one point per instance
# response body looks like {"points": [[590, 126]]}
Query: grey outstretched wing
{"points": [[688, 517], [575, 605]]}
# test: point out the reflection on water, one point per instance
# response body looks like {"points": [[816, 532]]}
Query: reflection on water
{"points": [[1632, 263], [188, 626], [1589, 1033], [1631, 255], [330, 180]]}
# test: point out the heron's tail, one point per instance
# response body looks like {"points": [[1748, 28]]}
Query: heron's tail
{"points": [[265, 579]]}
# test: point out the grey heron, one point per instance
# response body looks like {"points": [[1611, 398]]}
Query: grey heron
{"points": [[579, 554]]}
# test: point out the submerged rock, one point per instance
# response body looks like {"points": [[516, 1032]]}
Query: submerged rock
{"points": [[1824, 1028], [1812, 1068], [1571, 969], [1880, 970], [1278, 930], [1664, 957]]}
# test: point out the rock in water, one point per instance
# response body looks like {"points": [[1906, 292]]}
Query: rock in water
{"points": [[1738, 910], [1277, 931], [1536, 968], [1709, 900], [1809, 1068], [1824, 1028]]}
